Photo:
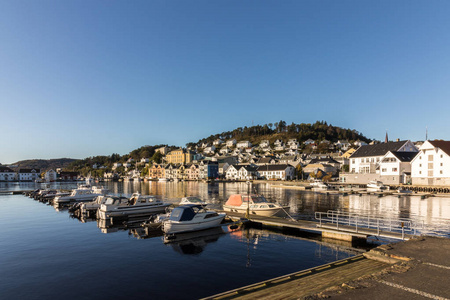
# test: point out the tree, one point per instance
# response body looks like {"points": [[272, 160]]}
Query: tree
{"points": [[157, 157]]}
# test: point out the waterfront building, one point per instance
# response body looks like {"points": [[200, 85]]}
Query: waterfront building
{"points": [[7, 174], [395, 167], [67, 176], [179, 156], [29, 174], [193, 172], [156, 171], [247, 172], [364, 163], [276, 172], [431, 166], [208, 169], [315, 167], [50, 175]]}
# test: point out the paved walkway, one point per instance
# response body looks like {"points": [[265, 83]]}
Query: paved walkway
{"points": [[422, 273]]}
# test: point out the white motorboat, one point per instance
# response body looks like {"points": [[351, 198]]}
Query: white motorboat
{"points": [[83, 193], [90, 207], [192, 200], [319, 184], [376, 185], [258, 205], [191, 217], [137, 205]]}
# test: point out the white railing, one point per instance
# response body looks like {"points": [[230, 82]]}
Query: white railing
{"points": [[356, 222]]}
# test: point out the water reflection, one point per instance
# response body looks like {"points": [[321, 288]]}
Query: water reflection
{"points": [[194, 243], [433, 211]]}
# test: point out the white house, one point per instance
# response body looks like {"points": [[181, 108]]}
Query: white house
{"points": [[218, 142], [395, 167], [247, 172], [225, 150], [232, 172], [116, 165], [29, 174], [309, 142], [366, 159], [209, 149], [280, 172], [231, 143], [7, 174], [243, 144], [50, 175], [264, 144], [431, 166]]}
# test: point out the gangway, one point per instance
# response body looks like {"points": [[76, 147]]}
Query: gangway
{"points": [[365, 224]]}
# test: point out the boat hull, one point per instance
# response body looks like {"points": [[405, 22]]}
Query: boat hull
{"points": [[266, 212], [172, 227], [127, 211]]}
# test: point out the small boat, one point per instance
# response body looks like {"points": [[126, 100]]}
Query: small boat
{"points": [[137, 205], [163, 179], [83, 193], [192, 200], [191, 217], [87, 208], [319, 184], [376, 185], [258, 205]]}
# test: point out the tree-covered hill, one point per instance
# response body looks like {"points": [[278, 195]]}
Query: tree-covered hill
{"points": [[44, 164], [280, 130]]}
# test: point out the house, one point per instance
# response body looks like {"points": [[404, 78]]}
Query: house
{"points": [[7, 174], [225, 150], [364, 163], [223, 168], [348, 153], [50, 175], [116, 165], [192, 172], [243, 144], [366, 159], [277, 172], [68, 176], [232, 172], [29, 174], [279, 147], [145, 160], [208, 169], [156, 171], [217, 142], [179, 156], [431, 166], [170, 171], [162, 150], [309, 142], [342, 144], [247, 172], [209, 149], [231, 143], [264, 144], [395, 167]]}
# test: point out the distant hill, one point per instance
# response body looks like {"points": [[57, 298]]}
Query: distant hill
{"points": [[43, 164], [280, 130]]}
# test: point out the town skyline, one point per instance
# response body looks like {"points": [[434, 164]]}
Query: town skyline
{"points": [[93, 78]]}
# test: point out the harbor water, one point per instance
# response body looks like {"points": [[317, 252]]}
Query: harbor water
{"points": [[45, 253]]}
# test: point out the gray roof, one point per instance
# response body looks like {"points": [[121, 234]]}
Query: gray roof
{"points": [[281, 167], [377, 149], [405, 156]]}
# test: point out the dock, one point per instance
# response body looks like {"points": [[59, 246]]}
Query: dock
{"points": [[331, 230], [414, 269]]}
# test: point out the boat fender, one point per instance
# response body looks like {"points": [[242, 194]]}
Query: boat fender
{"points": [[171, 237], [234, 226]]}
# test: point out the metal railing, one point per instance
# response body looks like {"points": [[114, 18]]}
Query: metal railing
{"points": [[356, 222]]}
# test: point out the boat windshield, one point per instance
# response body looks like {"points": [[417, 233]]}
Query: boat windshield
{"points": [[259, 199], [183, 213]]}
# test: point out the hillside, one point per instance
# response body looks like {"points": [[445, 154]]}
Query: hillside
{"points": [[317, 131], [44, 164]]}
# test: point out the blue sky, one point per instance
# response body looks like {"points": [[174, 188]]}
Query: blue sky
{"points": [[85, 78]]}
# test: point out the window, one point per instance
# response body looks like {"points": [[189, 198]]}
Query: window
{"points": [[440, 172], [420, 165], [384, 170], [394, 169], [420, 172], [430, 157]]}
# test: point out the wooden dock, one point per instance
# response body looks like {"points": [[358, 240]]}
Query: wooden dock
{"points": [[304, 283]]}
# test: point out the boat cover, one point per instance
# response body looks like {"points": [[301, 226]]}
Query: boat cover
{"points": [[184, 213]]}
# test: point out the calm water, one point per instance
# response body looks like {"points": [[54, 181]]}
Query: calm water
{"points": [[45, 253]]}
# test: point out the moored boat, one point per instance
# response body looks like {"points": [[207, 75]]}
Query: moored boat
{"points": [[191, 217], [376, 185], [192, 200], [136, 205], [258, 205], [83, 193]]}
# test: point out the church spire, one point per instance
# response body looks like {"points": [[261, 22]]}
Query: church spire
{"points": [[386, 139]]}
